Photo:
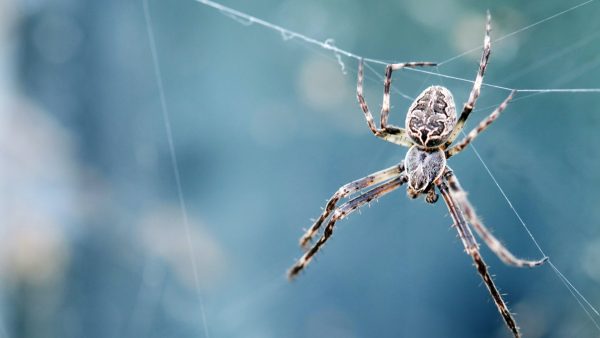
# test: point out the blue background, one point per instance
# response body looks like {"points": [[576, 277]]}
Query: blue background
{"points": [[265, 130]]}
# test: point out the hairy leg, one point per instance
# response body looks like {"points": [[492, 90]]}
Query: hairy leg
{"points": [[340, 213], [387, 132], [468, 108], [472, 249], [492, 242], [460, 146], [349, 189]]}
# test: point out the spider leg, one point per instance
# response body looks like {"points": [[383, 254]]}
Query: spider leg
{"points": [[340, 213], [492, 242], [468, 108], [385, 107], [348, 189], [387, 132], [460, 146], [472, 249]]}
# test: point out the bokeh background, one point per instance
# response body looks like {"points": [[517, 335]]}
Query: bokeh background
{"points": [[93, 241]]}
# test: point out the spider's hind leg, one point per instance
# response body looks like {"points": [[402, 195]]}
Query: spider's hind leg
{"points": [[347, 190], [341, 213], [460, 196], [472, 249]]}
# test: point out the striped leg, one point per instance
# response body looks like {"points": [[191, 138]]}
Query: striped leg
{"points": [[387, 84], [340, 213], [492, 242], [348, 189], [460, 146], [471, 248], [468, 108], [387, 132]]}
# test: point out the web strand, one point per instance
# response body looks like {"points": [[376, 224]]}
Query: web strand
{"points": [[247, 20], [581, 300], [287, 34], [174, 163], [517, 31], [574, 291]]}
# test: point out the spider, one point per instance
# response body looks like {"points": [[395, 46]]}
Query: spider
{"points": [[431, 129]]}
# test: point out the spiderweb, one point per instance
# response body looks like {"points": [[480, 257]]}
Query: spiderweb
{"points": [[340, 56]]}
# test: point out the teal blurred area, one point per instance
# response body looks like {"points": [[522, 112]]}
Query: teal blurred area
{"points": [[265, 129]]}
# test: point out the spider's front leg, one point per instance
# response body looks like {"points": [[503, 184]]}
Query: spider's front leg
{"points": [[387, 132], [472, 248], [349, 189], [460, 146], [340, 213], [468, 108]]}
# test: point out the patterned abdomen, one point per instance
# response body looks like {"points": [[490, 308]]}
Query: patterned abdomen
{"points": [[431, 117]]}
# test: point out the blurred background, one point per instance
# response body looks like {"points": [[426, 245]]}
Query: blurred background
{"points": [[93, 241]]}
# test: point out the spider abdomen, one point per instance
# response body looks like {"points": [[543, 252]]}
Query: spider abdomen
{"points": [[423, 167], [431, 117]]}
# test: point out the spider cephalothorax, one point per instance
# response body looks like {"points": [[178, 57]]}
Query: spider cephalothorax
{"points": [[423, 167], [431, 129]]}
